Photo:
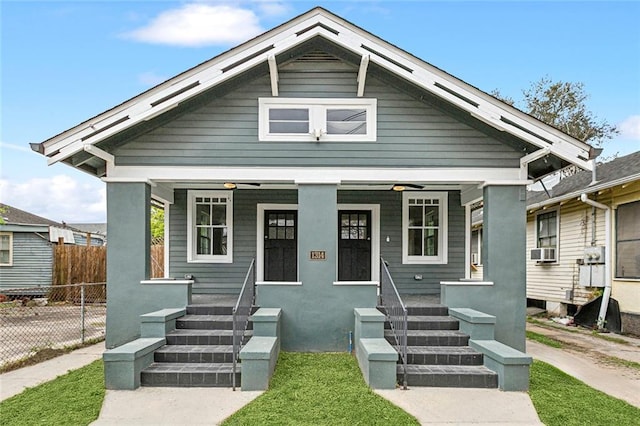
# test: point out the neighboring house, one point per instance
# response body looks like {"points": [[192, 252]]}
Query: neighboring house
{"points": [[97, 232], [285, 150], [566, 228], [26, 247]]}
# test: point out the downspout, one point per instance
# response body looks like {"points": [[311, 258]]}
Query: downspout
{"points": [[602, 315]]}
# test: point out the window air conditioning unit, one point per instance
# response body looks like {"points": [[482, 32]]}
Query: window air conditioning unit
{"points": [[543, 254], [475, 259]]}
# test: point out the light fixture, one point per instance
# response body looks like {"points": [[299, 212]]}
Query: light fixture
{"points": [[230, 185], [398, 187]]}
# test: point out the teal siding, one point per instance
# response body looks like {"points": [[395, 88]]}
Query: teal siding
{"points": [[32, 262], [221, 277], [391, 226], [228, 278], [224, 132]]}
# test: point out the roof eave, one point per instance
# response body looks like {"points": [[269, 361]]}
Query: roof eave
{"points": [[586, 190]]}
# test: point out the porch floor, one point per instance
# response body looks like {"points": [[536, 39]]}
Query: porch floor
{"points": [[410, 300]]}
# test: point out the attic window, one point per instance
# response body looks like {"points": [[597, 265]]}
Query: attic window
{"points": [[320, 120]]}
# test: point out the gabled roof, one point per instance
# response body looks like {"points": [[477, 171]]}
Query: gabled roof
{"points": [[616, 172], [15, 216], [263, 49]]}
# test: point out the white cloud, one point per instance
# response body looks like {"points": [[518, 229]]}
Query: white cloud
{"points": [[21, 148], [196, 25], [59, 198], [272, 8], [630, 127], [150, 78]]}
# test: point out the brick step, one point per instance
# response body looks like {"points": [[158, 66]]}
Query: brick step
{"points": [[189, 375], [194, 353], [422, 322], [432, 338], [187, 336], [443, 355], [459, 376]]}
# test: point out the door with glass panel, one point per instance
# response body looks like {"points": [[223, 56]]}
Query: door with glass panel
{"points": [[280, 245], [354, 245]]}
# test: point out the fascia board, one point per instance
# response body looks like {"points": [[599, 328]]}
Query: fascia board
{"points": [[277, 36], [349, 37], [586, 190]]}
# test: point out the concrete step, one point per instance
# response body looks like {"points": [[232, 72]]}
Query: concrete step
{"points": [[464, 376], [423, 322], [202, 337], [429, 310], [206, 322], [189, 375], [443, 355], [432, 338], [209, 310], [194, 353], [426, 310]]}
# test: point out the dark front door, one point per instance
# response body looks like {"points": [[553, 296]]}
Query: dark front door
{"points": [[280, 245], [354, 245]]}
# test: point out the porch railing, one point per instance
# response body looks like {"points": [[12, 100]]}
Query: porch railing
{"points": [[241, 313], [396, 313]]}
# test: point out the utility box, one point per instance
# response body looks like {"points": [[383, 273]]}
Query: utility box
{"points": [[594, 254], [592, 276]]}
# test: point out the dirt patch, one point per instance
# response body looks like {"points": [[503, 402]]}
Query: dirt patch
{"points": [[41, 355]]}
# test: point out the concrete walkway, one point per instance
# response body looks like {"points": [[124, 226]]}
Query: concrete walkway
{"points": [[14, 382], [584, 357], [431, 406]]}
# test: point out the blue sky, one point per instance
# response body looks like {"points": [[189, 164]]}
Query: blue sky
{"points": [[64, 62]]}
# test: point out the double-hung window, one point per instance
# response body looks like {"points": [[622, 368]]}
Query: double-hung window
{"points": [[547, 230], [628, 240], [210, 226], [317, 119], [424, 227], [6, 248]]}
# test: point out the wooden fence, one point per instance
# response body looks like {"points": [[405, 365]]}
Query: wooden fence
{"points": [[82, 264]]}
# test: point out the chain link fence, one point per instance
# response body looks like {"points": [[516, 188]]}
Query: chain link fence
{"points": [[33, 320]]}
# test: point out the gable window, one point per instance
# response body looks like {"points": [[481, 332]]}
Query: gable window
{"points": [[547, 230], [317, 119], [424, 227], [210, 226], [6, 249], [628, 240]]}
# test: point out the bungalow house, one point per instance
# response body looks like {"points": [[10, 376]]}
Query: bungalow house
{"points": [[26, 247], [580, 247], [300, 159]]}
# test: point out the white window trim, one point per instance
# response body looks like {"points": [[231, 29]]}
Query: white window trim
{"points": [[557, 247], [317, 118], [375, 241], [479, 242], [261, 207], [10, 234], [192, 257], [443, 235], [541, 212]]}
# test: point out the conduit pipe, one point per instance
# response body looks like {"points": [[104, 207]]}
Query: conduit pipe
{"points": [[602, 315]]}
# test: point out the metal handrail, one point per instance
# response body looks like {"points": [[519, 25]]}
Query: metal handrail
{"points": [[396, 313], [241, 312]]}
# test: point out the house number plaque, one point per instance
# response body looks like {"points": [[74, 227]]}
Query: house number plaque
{"points": [[317, 255]]}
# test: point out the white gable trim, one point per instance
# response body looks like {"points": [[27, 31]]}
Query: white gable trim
{"points": [[318, 22]]}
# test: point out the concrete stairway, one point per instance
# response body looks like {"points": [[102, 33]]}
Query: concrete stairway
{"points": [[438, 354], [198, 353]]}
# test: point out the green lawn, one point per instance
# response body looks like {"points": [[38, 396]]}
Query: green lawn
{"points": [[316, 389], [563, 400], [319, 389], [72, 399]]}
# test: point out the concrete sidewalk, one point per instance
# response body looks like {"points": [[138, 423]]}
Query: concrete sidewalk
{"points": [[14, 382], [584, 356]]}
